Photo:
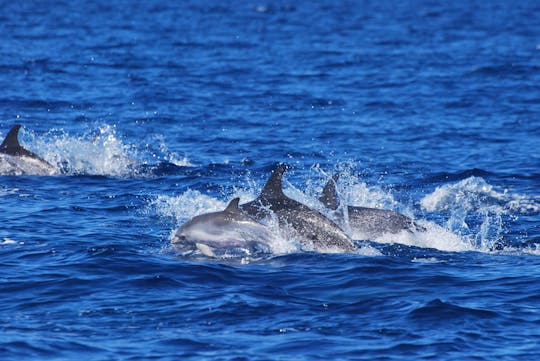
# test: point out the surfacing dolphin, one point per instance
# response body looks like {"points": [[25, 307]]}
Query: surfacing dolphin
{"points": [[220, 233], [16, 160], [308, 226], [364, 222]]}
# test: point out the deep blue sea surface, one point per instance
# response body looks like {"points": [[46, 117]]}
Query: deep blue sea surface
{"points": [[156, 111]]}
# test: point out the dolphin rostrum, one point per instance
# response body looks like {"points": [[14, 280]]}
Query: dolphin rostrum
{"points": [[14, 159], [364, 222], [231, 230], [308, 226]]}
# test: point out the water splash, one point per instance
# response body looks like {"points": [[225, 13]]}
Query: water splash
{"points": [[476, 209], [185, 206], [434, 236], [172, 157], [100, 151]]}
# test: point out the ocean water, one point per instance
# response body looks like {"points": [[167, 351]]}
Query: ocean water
{"points": [[157, 111]]}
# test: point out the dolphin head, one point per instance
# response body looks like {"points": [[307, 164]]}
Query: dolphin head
{"points": [[224, 232]]}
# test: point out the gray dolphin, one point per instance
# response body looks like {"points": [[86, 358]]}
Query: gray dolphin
{"points": [[231, 230], [14, 159], [308, 226], [364, 222]]}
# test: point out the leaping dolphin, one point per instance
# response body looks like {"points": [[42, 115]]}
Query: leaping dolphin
{"points": [[14, 159], [231, 230], [364, 222], [308, 226]]}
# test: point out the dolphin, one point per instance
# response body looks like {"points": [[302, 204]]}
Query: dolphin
{"points": [[14, 159], [310, 227], [217, 233], [364, 222]]}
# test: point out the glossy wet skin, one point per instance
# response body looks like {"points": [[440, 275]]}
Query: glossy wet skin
{"points": [[308, 226], [221, 230], [365, 222]]}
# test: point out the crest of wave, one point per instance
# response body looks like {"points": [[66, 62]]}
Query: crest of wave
{"points": [[476, 209]]}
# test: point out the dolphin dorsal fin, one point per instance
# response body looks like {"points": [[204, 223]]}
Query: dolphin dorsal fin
{"points": [[273, 187], [11, 142], [233, 205], [329, 195]]}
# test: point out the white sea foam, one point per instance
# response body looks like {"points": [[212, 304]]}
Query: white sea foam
{"points": [[434, 236]]}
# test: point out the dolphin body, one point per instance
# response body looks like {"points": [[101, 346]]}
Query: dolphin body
{"points": [[220, 233], [364, 222], [14, 159], [306, 225]]}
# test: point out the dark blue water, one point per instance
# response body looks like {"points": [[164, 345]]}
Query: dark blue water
{"points": [[157, 111]]}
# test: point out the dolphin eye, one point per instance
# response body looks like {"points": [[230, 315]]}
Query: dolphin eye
{"points": [[180, 238]]}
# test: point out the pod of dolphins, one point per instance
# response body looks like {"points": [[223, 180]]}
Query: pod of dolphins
{"points": [[246, 226]]}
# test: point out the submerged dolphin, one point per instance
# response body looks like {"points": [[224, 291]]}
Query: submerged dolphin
{"points": [[364, 222], [308, 226], [14, 159], [218, 232]]}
